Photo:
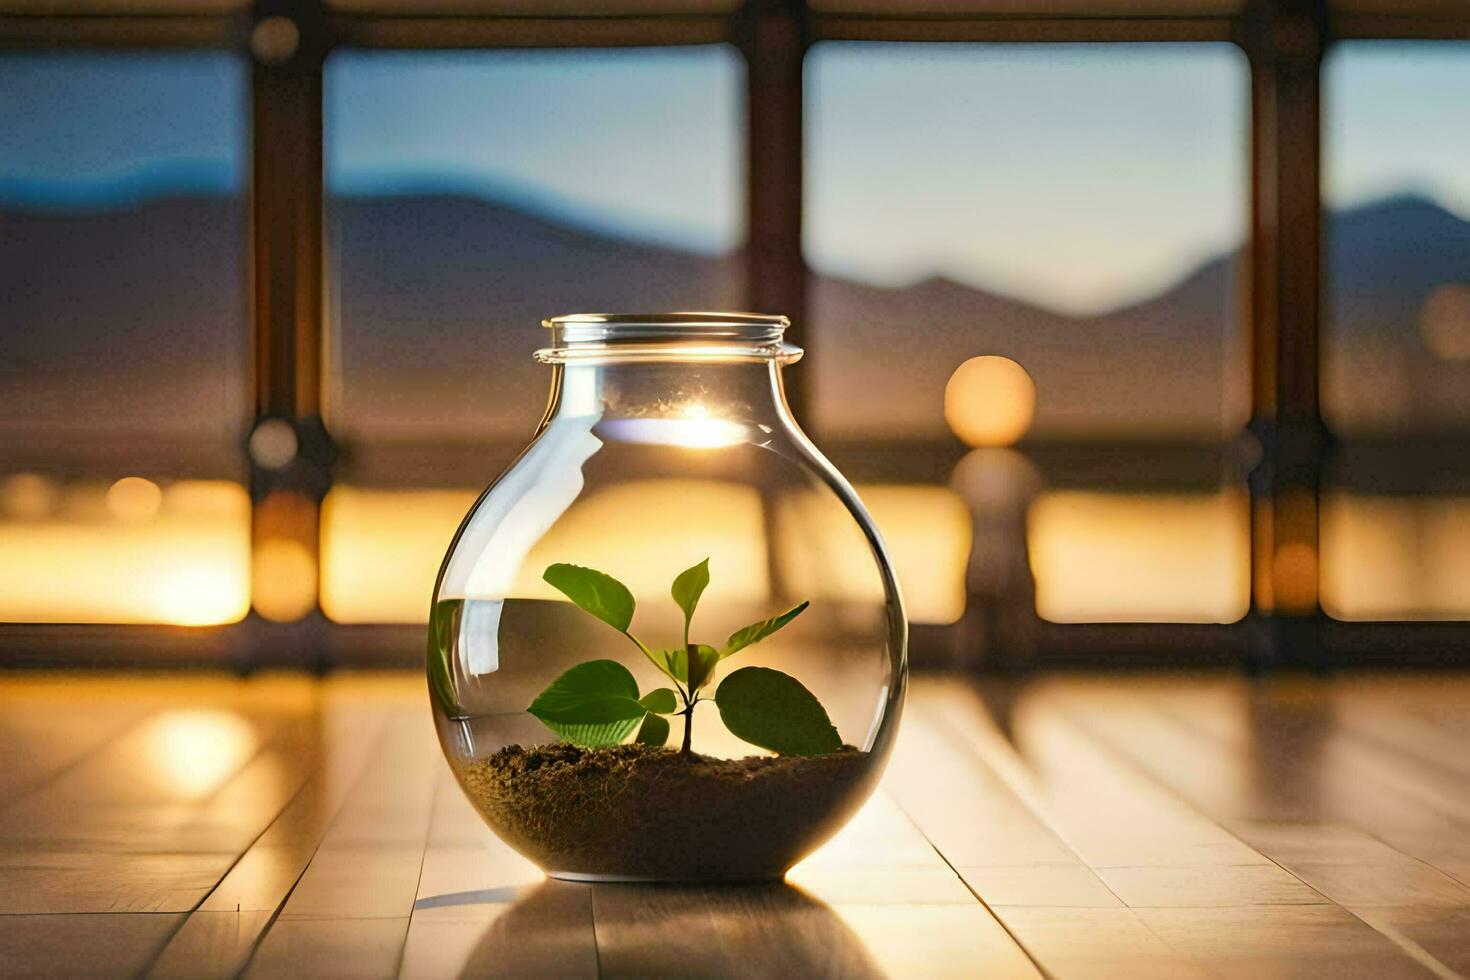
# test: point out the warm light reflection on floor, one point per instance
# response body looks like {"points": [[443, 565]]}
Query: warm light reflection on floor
{"points": [[1395, 557], [1116, 557], [90, 554], [193, 751]]}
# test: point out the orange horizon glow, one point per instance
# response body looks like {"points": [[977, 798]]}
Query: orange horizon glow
{"points": [[66, 555], [129, 553]]}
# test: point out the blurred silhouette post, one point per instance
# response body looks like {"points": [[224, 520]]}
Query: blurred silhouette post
{"points": [[989, 403]]}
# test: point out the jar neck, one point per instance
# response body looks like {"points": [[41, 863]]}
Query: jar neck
{"points": [[739, 391]]}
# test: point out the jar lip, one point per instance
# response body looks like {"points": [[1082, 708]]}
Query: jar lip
{"points": [[676, 335], [681, 322]]}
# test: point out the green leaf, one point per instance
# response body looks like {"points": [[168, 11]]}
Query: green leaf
{"points": [[597, 691], [601, 595], [654, 731], [705, 658], [687, 589], [596, 592], [756, 632], [592, 704], [595, 736], [773, 710], [442, 619], [660, 700], [702, 660]]}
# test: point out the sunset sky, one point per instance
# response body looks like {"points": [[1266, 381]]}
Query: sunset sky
{"points": [[1078, 177]]}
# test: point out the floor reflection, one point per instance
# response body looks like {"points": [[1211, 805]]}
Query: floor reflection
{"points": [[774, 930], [1289, 727]]}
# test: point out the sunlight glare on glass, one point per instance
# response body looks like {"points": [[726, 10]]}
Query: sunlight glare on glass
{"points": [[194, 751], [990, 401], [691, 427]]}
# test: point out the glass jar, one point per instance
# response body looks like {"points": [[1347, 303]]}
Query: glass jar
{"points": [[667, 643]]}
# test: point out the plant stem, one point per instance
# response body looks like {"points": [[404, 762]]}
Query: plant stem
{"points": [[688, 714]]}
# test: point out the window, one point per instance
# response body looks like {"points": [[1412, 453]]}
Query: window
{"points": [[1039, 243], [124, 378], [473, 195], [1396, 331], [1026, 332]]}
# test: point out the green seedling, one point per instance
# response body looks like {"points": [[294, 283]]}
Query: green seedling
{"points": [[597, 703]]}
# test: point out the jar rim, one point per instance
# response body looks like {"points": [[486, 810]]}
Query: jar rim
{"points": [[683, 335]]}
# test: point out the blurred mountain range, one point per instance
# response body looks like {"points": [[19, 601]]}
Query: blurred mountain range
{"points": [[133, 322]]}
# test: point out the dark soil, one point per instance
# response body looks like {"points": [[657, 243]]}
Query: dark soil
{"points": [[637, 812]]}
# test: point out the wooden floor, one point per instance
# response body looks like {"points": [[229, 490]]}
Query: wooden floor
{"points": [[1179, 826]]}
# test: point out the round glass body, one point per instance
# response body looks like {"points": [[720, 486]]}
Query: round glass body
{"points": [[752, 727]]}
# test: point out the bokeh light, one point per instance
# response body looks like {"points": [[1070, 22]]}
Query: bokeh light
{"points": [[283, 578], [990, 401], [134, 499], [27, 496], [273, 443]]}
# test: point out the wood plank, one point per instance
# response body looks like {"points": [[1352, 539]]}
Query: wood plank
{"points": [[1118, 818], [76, 945], [1102, 943], [777, 930], [29, 739], [736, 930], [218, 939], [1282, 736], [210, 944], [1074, 886], [349, 913], [226, 821], [1307, 941], [1367, 877], [367, 865], [192, 776], [907, 909], [975, 788], [1111, 817], [65, 882], [975, 817], [543, 929], [1278, 829], [1222, 886], [359, 948], [1438, 935], [483, 910], [1343, 862]]}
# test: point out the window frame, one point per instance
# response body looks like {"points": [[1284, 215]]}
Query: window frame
{"points": [[1284, 41]]}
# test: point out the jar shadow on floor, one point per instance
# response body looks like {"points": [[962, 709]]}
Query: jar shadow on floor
{"points": [[770, 929]]}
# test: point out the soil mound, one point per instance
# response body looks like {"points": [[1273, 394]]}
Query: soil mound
{"points": [[639, 812]]}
